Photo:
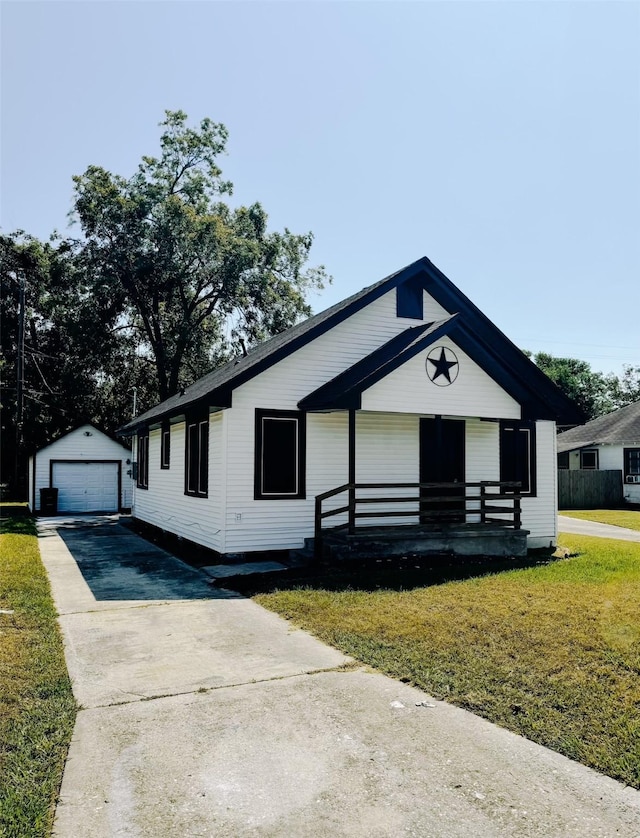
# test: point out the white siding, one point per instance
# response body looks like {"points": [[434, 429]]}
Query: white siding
{"points": [[540, 513], [76, 445], [165, 504], [327, 461], [387, 443], [611, 457], [482, 456], [574, 460], [473, 393], [387, 451], [285, 383], [631, 492], [282, 524]]}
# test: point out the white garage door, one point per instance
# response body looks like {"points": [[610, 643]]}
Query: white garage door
{"points": [[86, 487]]}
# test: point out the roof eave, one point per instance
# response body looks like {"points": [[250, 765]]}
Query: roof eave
{"points": [[219, 399]]}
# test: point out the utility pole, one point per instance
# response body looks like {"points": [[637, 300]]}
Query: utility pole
{"points": [[19, 382]]}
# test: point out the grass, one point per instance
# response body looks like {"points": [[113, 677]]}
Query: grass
{"points": [[37, 709], [551, 652], [618, 517]]}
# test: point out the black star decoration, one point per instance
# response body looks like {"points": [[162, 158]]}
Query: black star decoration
{"points": [[442, 366]]}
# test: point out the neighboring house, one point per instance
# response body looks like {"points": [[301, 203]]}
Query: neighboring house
{"points": [[610, 442], [404, 382], [91, 471]]}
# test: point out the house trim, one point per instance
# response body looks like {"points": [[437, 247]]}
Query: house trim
{"points": [[626, 462], [300, 454], [596, 455], [199, 422], [507, 425], [165, 446]]}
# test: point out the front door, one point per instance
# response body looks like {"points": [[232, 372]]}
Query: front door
{"points": [[442, 460]]}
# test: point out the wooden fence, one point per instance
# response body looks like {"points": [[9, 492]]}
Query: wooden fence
{"points": [[589, 489]]}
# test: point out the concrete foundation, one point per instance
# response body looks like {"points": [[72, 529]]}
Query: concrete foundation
{"points": [[461, 540]]}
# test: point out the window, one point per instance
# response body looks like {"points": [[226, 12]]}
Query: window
{"points": [[518, 455], [279, 455], [563, 460], [632, 465], [142, 481], [197, 458], [165, 446], [589, 459]]}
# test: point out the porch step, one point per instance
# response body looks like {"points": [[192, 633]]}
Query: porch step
{"points": [[462, 540], [222, 572], [302, 557]]}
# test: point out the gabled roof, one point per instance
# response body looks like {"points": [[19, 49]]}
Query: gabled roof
{"points": [[345, 390], [75, 427], [214, 390], [620, 427]]}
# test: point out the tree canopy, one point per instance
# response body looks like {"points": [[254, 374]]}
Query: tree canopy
{"points": [[594, 392], [163, 281], [193, 277]]}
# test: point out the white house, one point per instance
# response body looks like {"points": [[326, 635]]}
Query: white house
{"points": [[607, 443], [90, 470], [406, 382]]}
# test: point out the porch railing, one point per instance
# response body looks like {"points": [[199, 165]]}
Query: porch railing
{"points": [[489, 498]]}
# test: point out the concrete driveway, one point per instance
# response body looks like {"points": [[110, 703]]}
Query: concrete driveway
{"points": [[579, 527], [205, 715]]}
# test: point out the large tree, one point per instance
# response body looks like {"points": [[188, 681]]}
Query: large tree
{"points": [[77, 364], [626, 390], [195, 279], [594, 392]]}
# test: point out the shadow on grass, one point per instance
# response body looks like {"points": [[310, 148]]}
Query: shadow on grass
{"points": [[373, 574], [362, 574], [17, 524]]}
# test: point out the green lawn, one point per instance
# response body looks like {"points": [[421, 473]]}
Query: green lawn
{"points": [[551, 652], [618, 517], [37, 709]]}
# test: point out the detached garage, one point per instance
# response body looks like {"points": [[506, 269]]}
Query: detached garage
{"points": [[91, 472]]}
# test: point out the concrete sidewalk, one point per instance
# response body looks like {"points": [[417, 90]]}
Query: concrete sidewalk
{"points": [[579, 527], [210, 716]]}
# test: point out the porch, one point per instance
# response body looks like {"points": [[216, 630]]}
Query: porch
{"points": [[470, 518]]}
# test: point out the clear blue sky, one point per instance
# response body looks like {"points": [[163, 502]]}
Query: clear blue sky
{"points": [[500, 139]]}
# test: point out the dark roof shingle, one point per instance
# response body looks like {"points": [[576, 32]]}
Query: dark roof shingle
{"points": [[622, 426], [241, 369]]}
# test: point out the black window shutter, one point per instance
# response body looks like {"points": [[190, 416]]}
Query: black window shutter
{"points": [[203, 458], [518, 455], [279, 456], [280, 441]]}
